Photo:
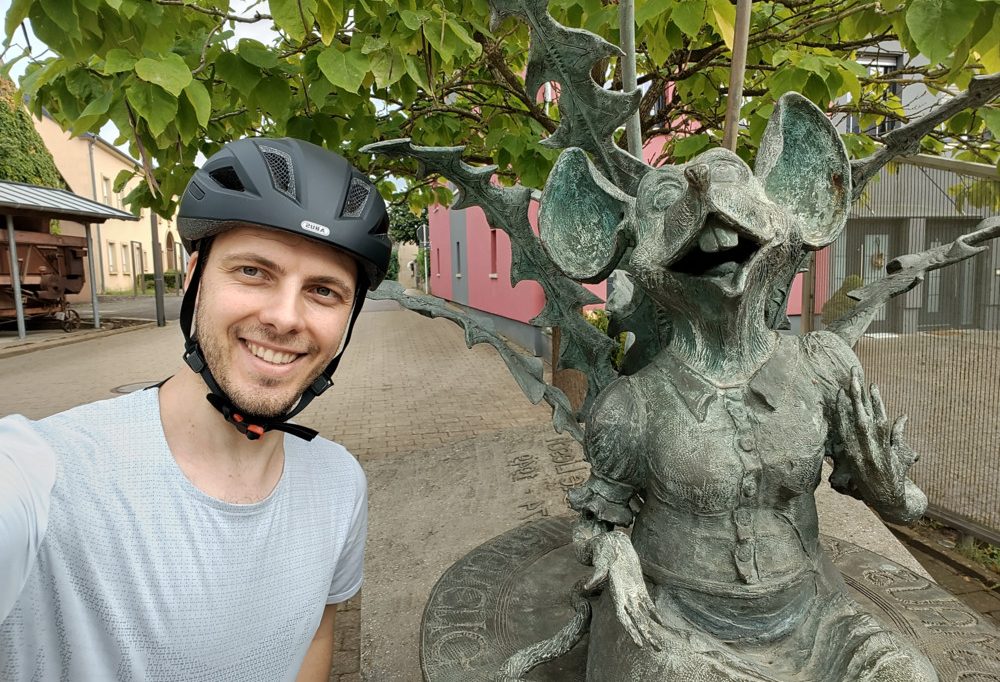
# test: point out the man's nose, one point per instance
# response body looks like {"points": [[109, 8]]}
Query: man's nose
{"points": [[283, 310]]}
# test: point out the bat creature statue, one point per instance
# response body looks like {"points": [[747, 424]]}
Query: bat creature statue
{"points": [[712, 451]]}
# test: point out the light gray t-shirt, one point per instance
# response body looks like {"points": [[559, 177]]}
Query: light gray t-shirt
{"points": [[113, 566]]}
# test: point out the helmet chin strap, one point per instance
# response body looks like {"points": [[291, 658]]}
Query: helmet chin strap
{"points": [[251, 425]]}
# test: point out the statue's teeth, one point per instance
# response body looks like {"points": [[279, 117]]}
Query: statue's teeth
{"points": [[717, 238]]}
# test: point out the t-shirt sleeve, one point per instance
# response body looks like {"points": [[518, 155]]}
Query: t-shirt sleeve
{"points": [[27, 475], [349, 573]]}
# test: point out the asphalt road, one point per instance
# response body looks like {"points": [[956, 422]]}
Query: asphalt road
{"points": [[141, 308]]}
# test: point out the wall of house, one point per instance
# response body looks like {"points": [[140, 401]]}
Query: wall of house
{"points": [[123, 249]]}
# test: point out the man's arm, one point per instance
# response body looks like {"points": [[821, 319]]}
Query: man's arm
{"points": [[27, 474], [317, 664]]}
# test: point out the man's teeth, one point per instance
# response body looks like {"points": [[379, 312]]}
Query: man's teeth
{"points": [[717, 238], [268, 355]]}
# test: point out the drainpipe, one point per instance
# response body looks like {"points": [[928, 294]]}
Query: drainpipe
{"points": [[93, 189]]}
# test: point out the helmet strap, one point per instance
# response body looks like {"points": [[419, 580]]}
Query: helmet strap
{"points": [[255, 426]]}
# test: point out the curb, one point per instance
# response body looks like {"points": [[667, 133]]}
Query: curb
{"points": [[907, 536], [77, 337]]}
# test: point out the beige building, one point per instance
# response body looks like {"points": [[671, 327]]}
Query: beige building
{"points": [[122, 249]]}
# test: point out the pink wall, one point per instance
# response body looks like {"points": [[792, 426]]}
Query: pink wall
{"points": [[440, 279], [821, 290]]}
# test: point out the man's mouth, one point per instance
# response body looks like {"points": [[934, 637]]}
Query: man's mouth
{"points": [[719, 251], [272, 356]]}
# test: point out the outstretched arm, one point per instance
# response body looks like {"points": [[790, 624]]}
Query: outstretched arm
{"points": [[27, 474], [871, 457]]}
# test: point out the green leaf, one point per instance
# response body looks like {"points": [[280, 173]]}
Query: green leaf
{"points": [[992, 118], [689, 15], [413, 20], [197, 94], [294, 17], [273, 95], [186, 120], [329, 15], [63, 14], [257, 54], [725, 20], [237, 73], [415, 70], [153, 104], [346, 70], [686, 147], [374, 44], [93, 112], [170, 73], [17, 13], [387, 67], [936, 26], [648, 10], [118, 61]]}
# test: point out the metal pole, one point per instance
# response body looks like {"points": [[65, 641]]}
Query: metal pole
{"points": [[15, 277], [626, 27], [93, 189], [161, 316], [93, 282], [736, 74]]}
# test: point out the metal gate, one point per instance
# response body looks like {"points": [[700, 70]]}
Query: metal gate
{"points": [[934, 351]]}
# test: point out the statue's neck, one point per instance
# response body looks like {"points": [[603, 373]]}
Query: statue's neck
{"points": [[724, 339]]}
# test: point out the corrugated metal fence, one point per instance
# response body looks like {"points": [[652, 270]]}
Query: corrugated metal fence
{"points": [[935, 351]]}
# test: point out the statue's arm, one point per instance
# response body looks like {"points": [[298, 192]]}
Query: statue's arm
{"points": [[612, 446], [871, 458]]}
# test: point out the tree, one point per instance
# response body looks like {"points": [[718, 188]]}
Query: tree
{"points": [[404, 223], [23, 155], [176, 81]]}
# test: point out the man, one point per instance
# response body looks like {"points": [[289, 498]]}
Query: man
{"points": [[173, 535]]}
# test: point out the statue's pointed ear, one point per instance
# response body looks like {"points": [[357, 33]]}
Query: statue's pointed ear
{"points": [[582, 219], [803, 167]]}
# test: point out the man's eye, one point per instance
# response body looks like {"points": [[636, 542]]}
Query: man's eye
{"points": [[250, 271], [324, 292]]}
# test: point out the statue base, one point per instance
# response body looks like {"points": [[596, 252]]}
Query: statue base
{"points": [[514, 591]]}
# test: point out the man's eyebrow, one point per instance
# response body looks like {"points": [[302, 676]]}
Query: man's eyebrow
{"points": [[250, 257], [331, 281]]}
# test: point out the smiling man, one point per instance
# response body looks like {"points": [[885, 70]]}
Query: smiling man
{"points": [[191, 531]]}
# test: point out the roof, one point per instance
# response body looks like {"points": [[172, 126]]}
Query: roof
{"points": [[18, 198]]}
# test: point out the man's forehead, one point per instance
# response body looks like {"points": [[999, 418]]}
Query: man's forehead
{"points": [[254, 238]]}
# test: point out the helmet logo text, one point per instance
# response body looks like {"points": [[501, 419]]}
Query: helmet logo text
{"points": [[315, 228]]}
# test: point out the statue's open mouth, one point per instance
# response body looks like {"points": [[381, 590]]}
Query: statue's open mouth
{"points": [[719, 251]]}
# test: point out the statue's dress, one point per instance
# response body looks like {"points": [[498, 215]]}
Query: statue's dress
{"points": [[727, 533]]}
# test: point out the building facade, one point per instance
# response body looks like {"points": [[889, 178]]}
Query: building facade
{"points": [[122, 250]]}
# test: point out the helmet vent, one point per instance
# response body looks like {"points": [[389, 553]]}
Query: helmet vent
{"points": [[282, 172], [228, 177], [357, 197]]}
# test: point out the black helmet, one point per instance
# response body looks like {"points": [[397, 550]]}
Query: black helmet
{"points": [[293, 186]]}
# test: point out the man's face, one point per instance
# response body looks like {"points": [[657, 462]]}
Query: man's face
{"points": [[272, 310]]}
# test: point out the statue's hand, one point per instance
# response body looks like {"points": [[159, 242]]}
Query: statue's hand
{"points": [[616, 562], [877, 451]]}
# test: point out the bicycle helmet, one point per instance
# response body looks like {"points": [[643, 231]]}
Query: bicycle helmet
{"points": [[288, 185]]}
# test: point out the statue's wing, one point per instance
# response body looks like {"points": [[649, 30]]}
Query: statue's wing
{"points": [[527, 370], [906, 272]]}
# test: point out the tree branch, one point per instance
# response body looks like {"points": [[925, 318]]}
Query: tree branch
{"points": [[906, 140], [258, 16]]}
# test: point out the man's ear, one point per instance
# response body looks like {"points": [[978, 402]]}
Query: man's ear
{"points": [[584, 219], [192, 264], [803, 167]]}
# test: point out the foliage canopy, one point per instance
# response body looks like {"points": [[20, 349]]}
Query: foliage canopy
{"points": [[177, 80], [23, 155]]}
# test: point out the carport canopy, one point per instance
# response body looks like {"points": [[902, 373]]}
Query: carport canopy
{"points": [[21, 199]]}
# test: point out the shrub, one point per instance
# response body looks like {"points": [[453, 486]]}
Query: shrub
{"points": [[598, 317], [840, 304], [393, 271]]}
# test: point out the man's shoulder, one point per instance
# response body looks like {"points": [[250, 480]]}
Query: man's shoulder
{"points": [[112, 416], [326, 459]]}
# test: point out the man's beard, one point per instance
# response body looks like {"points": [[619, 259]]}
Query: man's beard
{"points": [[255, 401]]}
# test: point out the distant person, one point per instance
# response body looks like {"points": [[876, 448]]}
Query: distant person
{"points": [[177, 536]]}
